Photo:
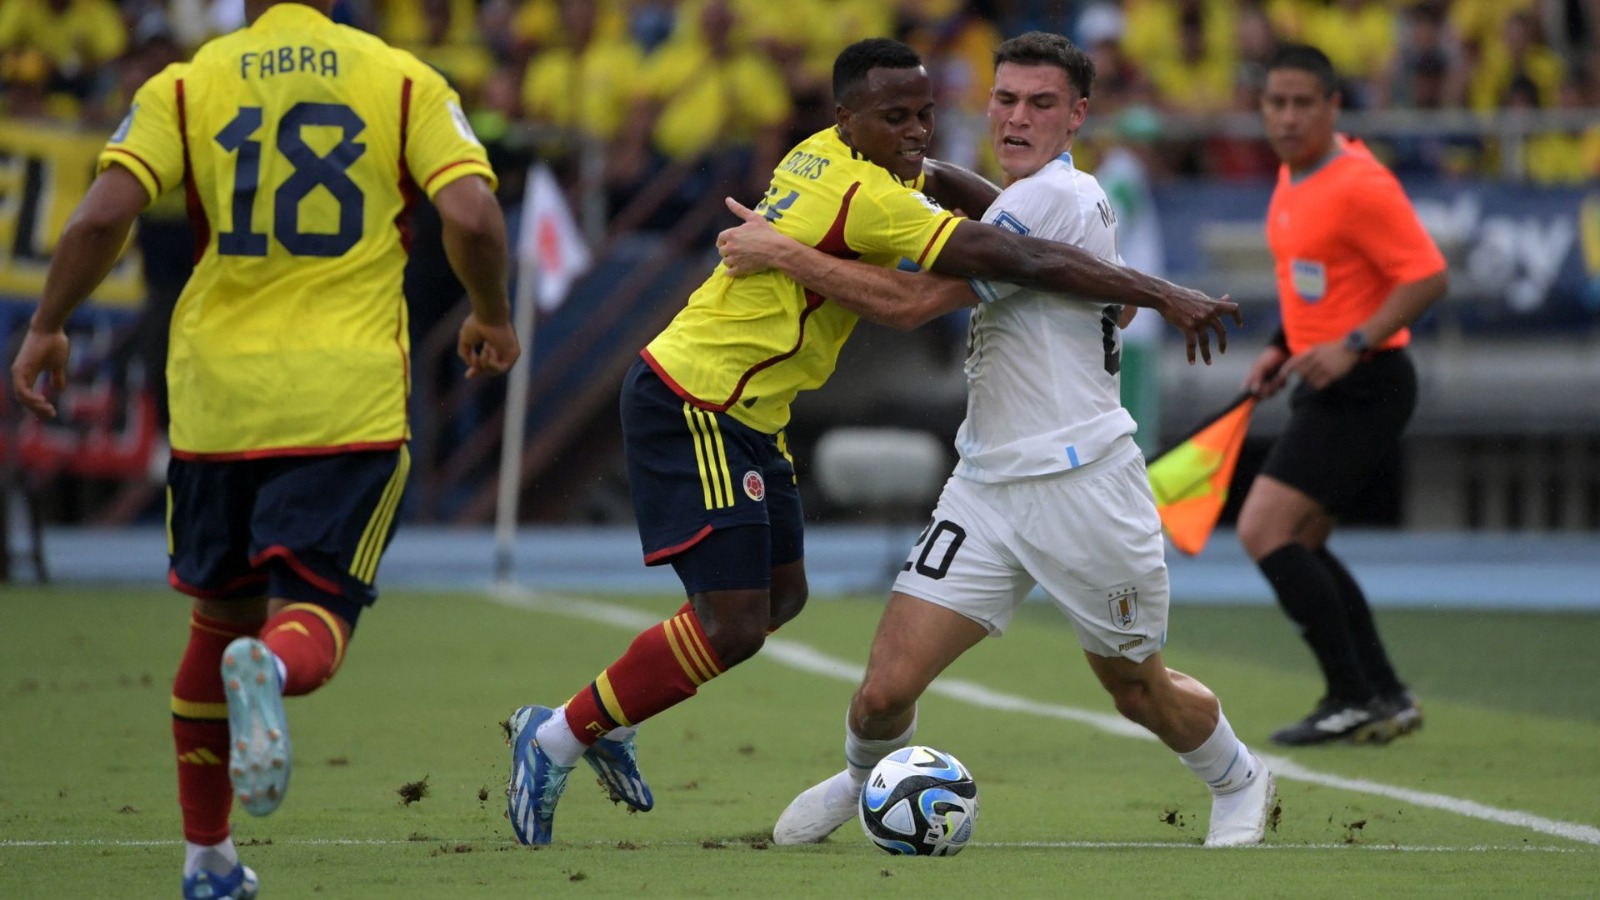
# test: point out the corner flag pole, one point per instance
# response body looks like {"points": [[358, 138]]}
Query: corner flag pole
{"points": [[516, 416], [550, 254]]}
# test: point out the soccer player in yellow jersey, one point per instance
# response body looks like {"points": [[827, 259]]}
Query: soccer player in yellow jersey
{"points": [[1050, 492], [705, 406], [301, 146]]}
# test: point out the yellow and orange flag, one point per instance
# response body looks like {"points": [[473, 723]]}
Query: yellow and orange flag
{"points": [[1191, 480]]}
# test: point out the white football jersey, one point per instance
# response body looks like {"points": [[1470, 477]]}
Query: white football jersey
{"points": [[1044, 393]]}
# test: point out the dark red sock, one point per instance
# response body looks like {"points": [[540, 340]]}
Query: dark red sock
{"points": [[665, 665], [200, 730], [310, 641]]}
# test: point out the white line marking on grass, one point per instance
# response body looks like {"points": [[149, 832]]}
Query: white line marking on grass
{"points": [[1588, 834], [809, 659], [1196, 845], [734, 842]]}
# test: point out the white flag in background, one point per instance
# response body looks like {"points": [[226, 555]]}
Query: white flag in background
{"points": [[550, 240]]}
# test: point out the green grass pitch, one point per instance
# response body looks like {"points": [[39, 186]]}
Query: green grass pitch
{"points": [[1498, 796]]}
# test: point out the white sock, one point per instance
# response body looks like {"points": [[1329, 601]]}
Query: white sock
{"points": [[1223, 762], [556, 739], [861, 754], [219, 858]]}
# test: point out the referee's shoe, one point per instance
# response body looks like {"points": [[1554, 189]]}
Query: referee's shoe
{"points": [[1404, 714], [1337, 720]]}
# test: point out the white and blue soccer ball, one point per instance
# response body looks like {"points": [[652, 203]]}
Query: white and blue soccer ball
{"points": [[919, 801]]}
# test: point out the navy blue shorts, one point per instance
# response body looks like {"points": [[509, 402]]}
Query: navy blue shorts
{"points": [[305, 528], [692, 472]]}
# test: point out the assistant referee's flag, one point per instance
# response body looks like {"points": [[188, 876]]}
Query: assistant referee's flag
{"points": [[1191, 480]]}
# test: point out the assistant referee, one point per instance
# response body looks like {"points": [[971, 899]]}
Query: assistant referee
{"points": [[1354, 268]]}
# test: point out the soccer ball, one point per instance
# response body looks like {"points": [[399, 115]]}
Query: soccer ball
{"points": [[919, 801]]}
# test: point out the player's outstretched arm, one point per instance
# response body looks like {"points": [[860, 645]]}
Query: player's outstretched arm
{"points": [[958, 188], [975, 250], [475, 243], [90, 244], [902, 300]]}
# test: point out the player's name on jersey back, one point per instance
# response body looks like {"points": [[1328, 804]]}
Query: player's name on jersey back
{"points": [[289, 60]]}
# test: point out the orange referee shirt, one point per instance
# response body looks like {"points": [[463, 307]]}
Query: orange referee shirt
{"points": [[1342, 238]]}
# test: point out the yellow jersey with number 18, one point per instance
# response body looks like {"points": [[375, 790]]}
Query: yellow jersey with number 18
{"points": [[746, 346], [301, 145]]}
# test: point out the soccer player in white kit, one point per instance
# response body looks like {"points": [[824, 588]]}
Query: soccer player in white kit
{"points": [[1050, 489]]}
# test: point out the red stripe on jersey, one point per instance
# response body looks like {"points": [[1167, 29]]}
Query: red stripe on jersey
{"points": [[160, 188], [677, 388], [435, 175], [942, 226], [408, 185], [814, 302], [287, 451], [400, 339], [833, 243], [191, 193], [651, 559], [278, 551]]}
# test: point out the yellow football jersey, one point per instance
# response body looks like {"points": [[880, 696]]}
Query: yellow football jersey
{"points": [[747, 346], [301, 145]]}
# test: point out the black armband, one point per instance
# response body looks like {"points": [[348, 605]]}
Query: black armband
{"points": [[1279, 340]]}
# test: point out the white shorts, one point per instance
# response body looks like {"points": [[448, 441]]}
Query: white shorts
{"points": [[1089, 537]]}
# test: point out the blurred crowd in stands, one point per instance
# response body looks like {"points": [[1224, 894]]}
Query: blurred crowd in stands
{"points": [[651, 110], [644, 84]]}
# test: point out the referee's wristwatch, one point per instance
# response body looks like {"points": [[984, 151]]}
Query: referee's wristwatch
{"points": [[1357, 342]]}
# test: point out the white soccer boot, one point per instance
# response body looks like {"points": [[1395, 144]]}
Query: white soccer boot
{"points": [[818, 811], [258, 732], [1240, 818]]}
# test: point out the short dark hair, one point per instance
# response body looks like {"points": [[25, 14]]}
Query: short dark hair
{"points": [[1306, 58], [855, 61], [1041, 48]]}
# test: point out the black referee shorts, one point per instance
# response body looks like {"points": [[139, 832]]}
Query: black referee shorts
{"points": [[1338, 437]]}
